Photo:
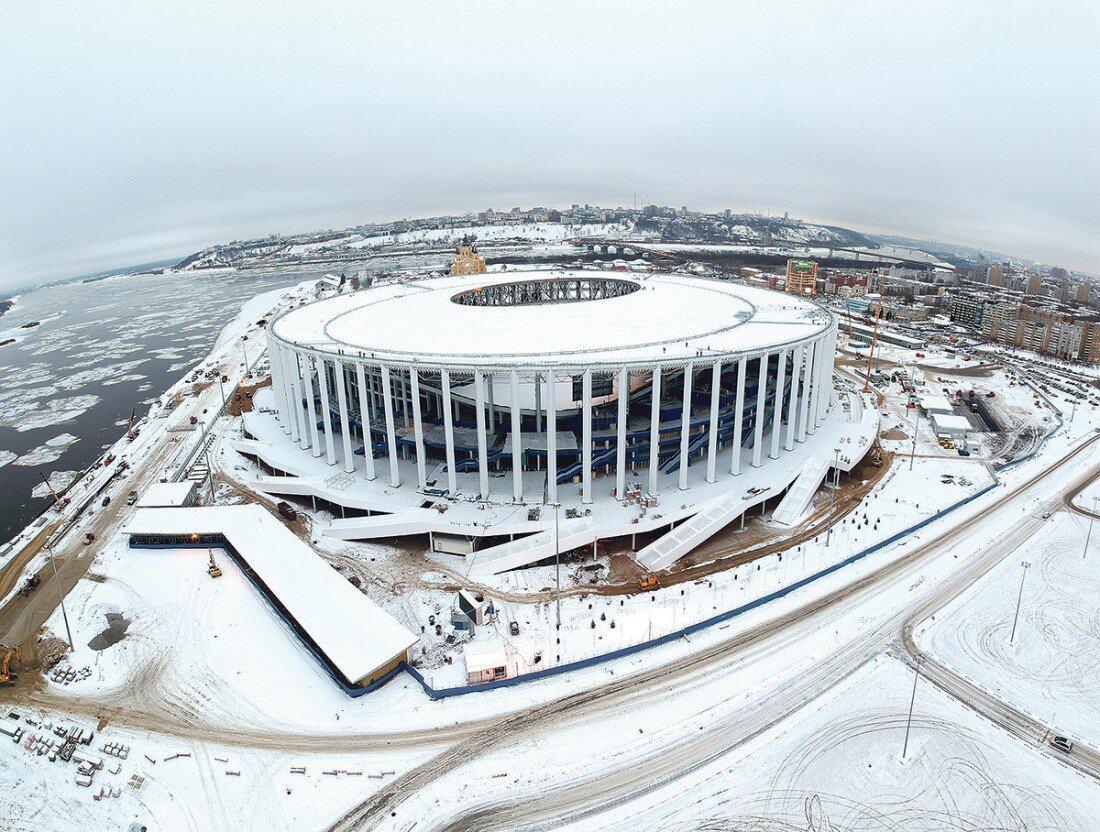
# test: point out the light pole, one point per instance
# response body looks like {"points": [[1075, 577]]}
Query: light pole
{"points": [[557, 567], [1019, 598], [916, 428], [61, 598], [1085, 554], [912, 700], [832, 507]]}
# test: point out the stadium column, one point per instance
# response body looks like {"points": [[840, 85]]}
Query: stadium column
{"points": [[586, 437], [301, 416], [482, 450], [792, 405], [685, 426], [418, 429], [620, 434], [288, 395], [311, 411], [804, 405], [761, 406], [281, 409], [815, 396], [827, 375], [654, 429], [712, 428], [739, 416], [777, 415], [345, 424], [449, 431], [364, 419], [391, 432], [517, 450], [551, 397], [326, 414]]}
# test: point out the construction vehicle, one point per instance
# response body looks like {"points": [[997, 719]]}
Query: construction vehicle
{"points": [[59, 504], [193, 420], [871, 352], [131, 433], [89, 538], [212, 570], [30, 585], [286, 510], [11, 655], [649, 582]]}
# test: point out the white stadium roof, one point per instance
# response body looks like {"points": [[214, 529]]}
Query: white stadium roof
{"points": [[670, 318]]}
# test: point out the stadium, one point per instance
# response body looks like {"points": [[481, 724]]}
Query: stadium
{"points": [[476, 409]]}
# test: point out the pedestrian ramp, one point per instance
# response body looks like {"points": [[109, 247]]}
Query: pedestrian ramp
{"points": [[572, 534], [716, 515], [802, 490]]}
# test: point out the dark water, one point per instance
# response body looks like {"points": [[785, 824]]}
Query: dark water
{"points": [[102, 349]]}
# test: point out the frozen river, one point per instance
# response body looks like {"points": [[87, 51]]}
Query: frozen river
{"points": [[101, 349]]}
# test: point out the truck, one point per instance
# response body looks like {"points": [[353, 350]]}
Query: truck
{"points": [[286, 511]]}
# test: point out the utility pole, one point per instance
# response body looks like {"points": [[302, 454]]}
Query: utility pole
{"points": [[61, 599], [557, 566], [1085, 554], [916, 428], [1019, 598], [912, 700]]}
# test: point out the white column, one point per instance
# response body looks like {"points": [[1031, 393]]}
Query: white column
{"points": [[685, 427], [289, 368], [482, 450], [418, 430], [620, 434], [326, 415], [761, 400], [586, 437], [804, 405], [655, 430], [739, 416], [827, 375], [517, 450], [301, 415], [551, 397], [712, 438], [311, 410], [777, 413], [449, 431], [277, 384], [364, 419], [815, 393], [345, 425], [792, 406], [391, 432]]}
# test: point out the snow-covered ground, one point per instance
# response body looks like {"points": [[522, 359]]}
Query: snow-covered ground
{"points": [[1050, 669]]}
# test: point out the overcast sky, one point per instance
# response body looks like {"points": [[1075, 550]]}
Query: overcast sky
{"points": [[133, 131]]}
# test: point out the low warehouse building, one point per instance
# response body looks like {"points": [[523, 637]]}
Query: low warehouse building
{"points": [[951, 427], [358, 642], [487, 662]]}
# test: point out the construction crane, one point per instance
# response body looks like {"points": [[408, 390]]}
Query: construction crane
{"points": [[57, 500], [7, 677], [132, 434], [871, 354]]}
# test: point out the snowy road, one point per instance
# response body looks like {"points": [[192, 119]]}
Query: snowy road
{"points": [[843, 611]]}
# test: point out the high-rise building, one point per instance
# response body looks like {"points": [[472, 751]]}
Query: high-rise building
{"points": [[1083, 293], [801, 277], [1034, 283], [995, 275]]}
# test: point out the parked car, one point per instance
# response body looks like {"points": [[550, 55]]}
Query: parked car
{"points": [[1063, 744]]}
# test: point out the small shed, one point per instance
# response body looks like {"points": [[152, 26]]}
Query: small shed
{"points": [[168, 495], [486, 662], [470, 610], [936, 404], [954, 428]]}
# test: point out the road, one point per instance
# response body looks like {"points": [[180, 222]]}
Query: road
{"points": [[664, 763]]}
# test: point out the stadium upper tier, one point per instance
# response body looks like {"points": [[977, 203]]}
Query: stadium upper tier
{"points": [[566, 320]]}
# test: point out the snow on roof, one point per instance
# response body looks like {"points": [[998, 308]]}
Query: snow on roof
{"points": [[669, 319], [950, 422], [938, 404], [356, 635], [165, 494], [487, 655]]}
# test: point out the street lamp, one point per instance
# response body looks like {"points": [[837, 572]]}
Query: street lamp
{"points": [[1092, 517], [912, 700], [557, 566], [61, 597], [1019, 598]]}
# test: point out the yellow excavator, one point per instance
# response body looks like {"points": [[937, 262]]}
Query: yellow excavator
{"points": [[11, 655]]}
